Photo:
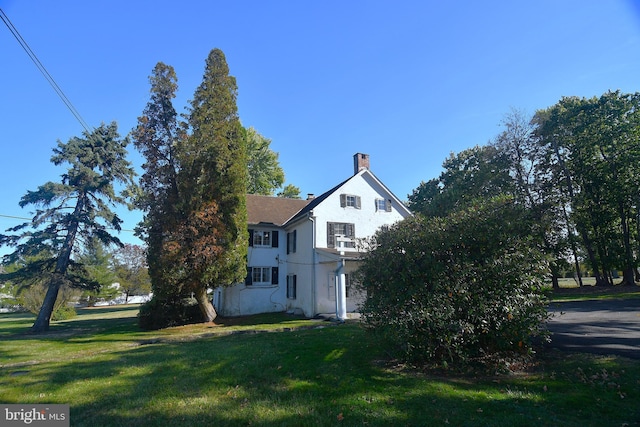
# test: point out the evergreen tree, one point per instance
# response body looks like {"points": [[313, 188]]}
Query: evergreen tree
{"points": [[212, 237], [193, 192], [158, 136], [72, 212]]}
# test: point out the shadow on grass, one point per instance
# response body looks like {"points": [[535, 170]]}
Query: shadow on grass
{"points": [[89, 322], [317, 377], [308, 378]]}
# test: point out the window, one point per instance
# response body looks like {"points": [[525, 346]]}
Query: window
{"points": [[332, 287], [341, 235], [383, 205], [263, 238], [291, 242], [262, 276], [347, 286], [292, 280], [349, 201]]}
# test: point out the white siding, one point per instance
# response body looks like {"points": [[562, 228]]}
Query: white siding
{"points": [[240, 299], [367, 219], [314, 270]]}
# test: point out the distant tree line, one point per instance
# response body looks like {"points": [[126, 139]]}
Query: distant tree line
{"points": [[574, 167]]}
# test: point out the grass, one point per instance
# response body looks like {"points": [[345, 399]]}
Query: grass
{"points": [[296, 372], [570, 291]]}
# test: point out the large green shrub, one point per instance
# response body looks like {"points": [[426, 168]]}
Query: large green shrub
{"points": [[454, 288], [160, 313], [31, 297]]}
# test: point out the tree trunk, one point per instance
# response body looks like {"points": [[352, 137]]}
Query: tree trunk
{"points": [[208, 311], [44, 315], [628, 276], [62, 263]]}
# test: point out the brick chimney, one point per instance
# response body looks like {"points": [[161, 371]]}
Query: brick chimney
{"points": [[360, 161]]}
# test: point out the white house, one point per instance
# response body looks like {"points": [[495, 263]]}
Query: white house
{"points": [[302, 252]]}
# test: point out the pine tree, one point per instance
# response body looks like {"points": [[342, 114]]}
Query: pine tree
{"points": [[71, 212]]}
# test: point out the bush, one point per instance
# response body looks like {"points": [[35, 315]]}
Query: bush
{"points": [[163, 313], [455, 288], [31, 298], [64, 312]]}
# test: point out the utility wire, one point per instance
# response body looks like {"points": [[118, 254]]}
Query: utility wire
{"points": [[43, 70]]}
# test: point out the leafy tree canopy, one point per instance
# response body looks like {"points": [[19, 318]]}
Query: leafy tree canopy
{"points": [[265, 173]]}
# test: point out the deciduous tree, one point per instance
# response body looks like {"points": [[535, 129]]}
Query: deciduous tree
{"points": [[265, 173]]}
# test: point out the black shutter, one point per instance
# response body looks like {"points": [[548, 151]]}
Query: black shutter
{"points": [[343, 200], [248, 281], [294, 286], [388, 205], [250, 237], [358, 202], [330, 235], [288, 243], [274, 239], [274, 275]]}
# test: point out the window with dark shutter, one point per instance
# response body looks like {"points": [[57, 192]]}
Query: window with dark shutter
{"points": [[291, 286], [350, 201], [344, 230], [248, 281], [274, 239], [331, 235], [291, 242]]}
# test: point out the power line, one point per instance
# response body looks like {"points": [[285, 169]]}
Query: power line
{"points": [[43, 70]]}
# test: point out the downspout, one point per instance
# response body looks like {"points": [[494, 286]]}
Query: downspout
{"points": [[340, 289], [313, 264]]}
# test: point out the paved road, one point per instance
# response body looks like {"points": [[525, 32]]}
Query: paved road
{"points": [[600, 327]]}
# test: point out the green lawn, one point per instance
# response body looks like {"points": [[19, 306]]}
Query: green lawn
{"points": [[277, 370], [570, 291]]}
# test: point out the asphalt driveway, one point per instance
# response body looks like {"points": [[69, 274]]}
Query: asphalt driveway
{"points": [[600, 327]]}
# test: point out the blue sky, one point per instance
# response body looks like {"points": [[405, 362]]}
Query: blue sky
{"points": [[407, 82]]}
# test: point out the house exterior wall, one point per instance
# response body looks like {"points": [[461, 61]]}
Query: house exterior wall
{"points": [[314, 262], [326, 289], [243, 299], [301, 264], [367, 218]]}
